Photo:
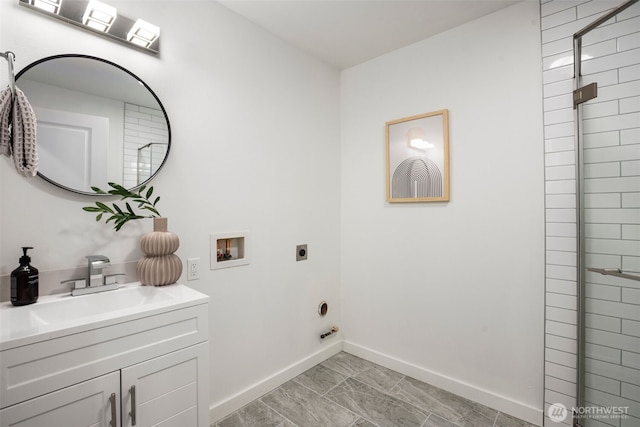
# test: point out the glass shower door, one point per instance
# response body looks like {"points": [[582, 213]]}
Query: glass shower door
{"points": [[609, 147]]}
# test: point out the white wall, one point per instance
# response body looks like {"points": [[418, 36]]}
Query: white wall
{"points": [[255, 146], [452, 292]]}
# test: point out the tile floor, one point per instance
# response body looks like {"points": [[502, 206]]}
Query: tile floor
{"points": [[346, 390]]}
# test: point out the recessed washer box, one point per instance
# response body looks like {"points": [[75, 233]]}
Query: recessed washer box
{"points": [[230, 249]]}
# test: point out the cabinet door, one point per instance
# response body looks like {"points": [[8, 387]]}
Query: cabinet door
{"points": [[168, 391], [91, 403]]}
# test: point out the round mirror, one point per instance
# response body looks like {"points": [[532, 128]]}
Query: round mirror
{"points": [[97, 123]]}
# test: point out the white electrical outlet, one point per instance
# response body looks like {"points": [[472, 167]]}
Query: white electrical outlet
{"points": [[193, 268]]}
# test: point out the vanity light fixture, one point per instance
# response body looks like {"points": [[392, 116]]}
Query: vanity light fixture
{"points": [[51, 6], [102, 19], [417, 138], [143, 33], [99, 16]]}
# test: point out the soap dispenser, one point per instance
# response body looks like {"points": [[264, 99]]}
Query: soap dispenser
{"points": [[24, 281]]}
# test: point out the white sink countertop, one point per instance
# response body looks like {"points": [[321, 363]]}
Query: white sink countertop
{"points": [[53, 316]]}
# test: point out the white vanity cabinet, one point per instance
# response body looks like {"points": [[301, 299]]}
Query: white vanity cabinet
{"points": [[146, 367]]}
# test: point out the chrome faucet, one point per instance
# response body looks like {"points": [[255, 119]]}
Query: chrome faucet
{"points": [[96, 280], [96, 264]]}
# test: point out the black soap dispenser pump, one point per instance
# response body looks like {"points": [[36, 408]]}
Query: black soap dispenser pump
{"points": [[24, 281]]}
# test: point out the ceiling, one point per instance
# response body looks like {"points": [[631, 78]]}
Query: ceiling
{"points": [[345, 33]]}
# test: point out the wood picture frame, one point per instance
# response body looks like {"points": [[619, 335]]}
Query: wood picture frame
{"points": [[417, 152]]}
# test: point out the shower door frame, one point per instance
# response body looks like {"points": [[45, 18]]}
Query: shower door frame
{"points": [[580, 220]]}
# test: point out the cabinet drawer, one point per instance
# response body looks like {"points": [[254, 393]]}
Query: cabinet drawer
{"points": [[35, 369]]}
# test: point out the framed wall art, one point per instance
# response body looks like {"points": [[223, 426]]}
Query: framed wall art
{"points": [[418, 158]]}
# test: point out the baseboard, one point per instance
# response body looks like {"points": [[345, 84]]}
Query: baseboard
{"points": [[233, 403], [485, 397]]}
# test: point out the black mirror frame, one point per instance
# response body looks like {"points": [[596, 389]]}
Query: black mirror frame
{"points": [[164, 112]]}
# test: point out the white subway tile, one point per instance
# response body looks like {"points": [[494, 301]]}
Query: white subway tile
{"points": [[602, 279], [561, 229], [631, 232], [561, 357], [560, 371], [561, 315], [631, 263], [603, 231], [631, 327], [552, 7], [619, 91], [560, 215], [553, 397], [560, 300], [629, 421], [594, 8], [612, 216], [558, 102], [558, 47], [605, 384], [561, 343], [631, 296], [631, 200], [611, 293], [631, 167], [603, 185], [557, 60], [557, 74], [561, 187], [558, 130], [558, 173], [605, 139], [599, 352], [605, 400], [630, 359], [562, 87], [619, 29], [561, 386], [614, 371], [602, 200], [603, 78], [558, 286], [560, 329], [609, 308], [553, 145], [599, 64], [602, 168], [630, 136], [561, 201], [630, 105], [601, 261], [565, 30], [566, 115], [604, 323], [611, 123], [630, 391], [558, 18], [627, 74], [613, 247], [599, 48], [599, 109], [561, 158], [561, 243]]}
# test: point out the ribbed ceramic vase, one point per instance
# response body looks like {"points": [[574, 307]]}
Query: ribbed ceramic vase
{"points": [[160, 266]]}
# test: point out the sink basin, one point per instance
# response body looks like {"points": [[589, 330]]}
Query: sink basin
{"points": [[56, 315]]}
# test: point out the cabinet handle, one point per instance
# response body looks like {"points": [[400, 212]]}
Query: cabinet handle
{"points": [[114, 420], [132, 390]]}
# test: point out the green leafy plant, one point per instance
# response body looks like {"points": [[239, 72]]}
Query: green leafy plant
{"points": [[123, 215]]}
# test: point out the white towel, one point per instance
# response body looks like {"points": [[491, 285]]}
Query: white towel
{"points": [[5, 114], [22, 133]]}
